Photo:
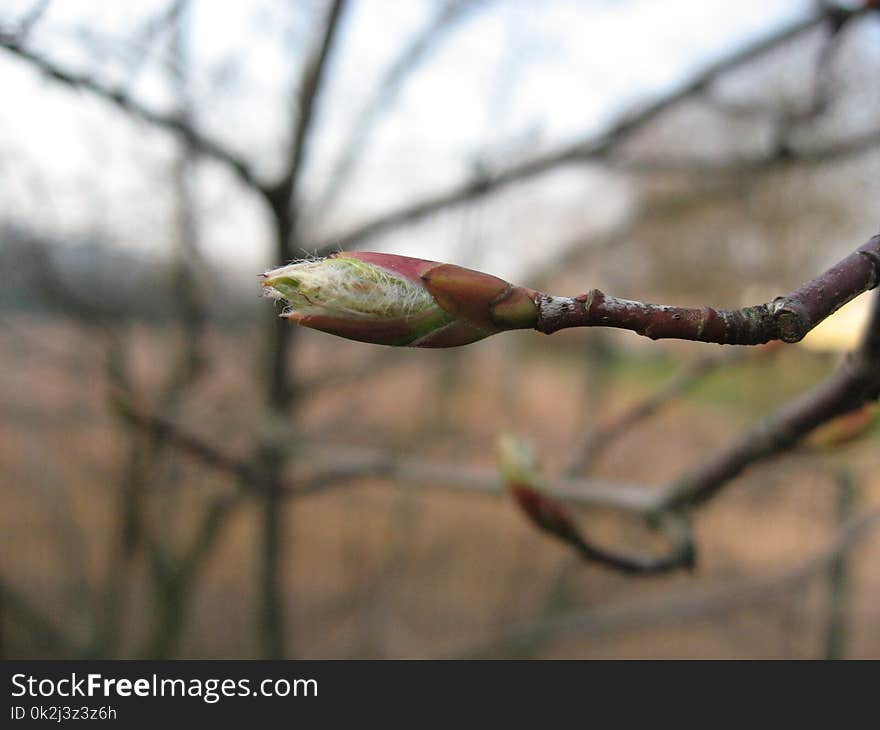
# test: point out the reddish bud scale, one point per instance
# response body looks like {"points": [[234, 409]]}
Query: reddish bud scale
{"points": [[545, 512]]}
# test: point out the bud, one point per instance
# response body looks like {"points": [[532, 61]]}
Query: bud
{"points": [[524, 480], [398, 300]]}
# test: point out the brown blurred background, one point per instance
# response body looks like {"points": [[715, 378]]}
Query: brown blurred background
{"points": [[183, 475]]}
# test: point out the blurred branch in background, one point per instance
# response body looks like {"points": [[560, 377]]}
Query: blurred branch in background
{"points": [[22, 613], [283, 198], [599, 437], [688, 605], [593, 148], [448, 14], [119, 97], [854, 383], [183, 371], [839, 578]]}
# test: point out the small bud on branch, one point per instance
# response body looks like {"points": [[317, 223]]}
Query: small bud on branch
{"points": [[397, 300], [525, 482]]}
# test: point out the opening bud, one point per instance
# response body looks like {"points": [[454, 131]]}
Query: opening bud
{"points": [[397, 300]]}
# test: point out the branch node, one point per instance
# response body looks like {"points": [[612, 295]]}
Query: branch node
{"points": [[874, 258], [791, 325]]}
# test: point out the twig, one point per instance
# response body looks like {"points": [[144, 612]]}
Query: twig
{"points": [[44, 633], [268, 463], [690, 604], [385, 92], [681, 552], [786, 318], [170, 122], [591, 148], [838, 573], [165, 430], [778, 156], [280, 194], [31, 18], [601, 437], [337, 464], [175, 578], [854, 383]]}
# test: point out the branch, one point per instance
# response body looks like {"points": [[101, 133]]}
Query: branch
{"points": [[43, 631], [334, 464], [477, 480], [283, 190], [598, 439], [691, 604], [386, 91], [345, 469], [781, 155], [526, 483], [680, 554], [169, 122], [32, 18], [786, 318], [591, 148], [162, 429], [856, 382]]}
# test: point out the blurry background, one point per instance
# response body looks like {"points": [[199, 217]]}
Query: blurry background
{"points": [[182, 475]]}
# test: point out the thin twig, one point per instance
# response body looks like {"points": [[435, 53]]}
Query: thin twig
{"points": [[786, 318], [409, 58], [44, 633], [854, 383], [118, 97], [590, 148], [778, 156], [269, 461], [282, 192], [688, 605], [598, 439]]}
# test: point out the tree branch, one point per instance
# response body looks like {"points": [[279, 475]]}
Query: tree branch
{"points": [[591, 148], [281, 193], [44, 633], [169, 122], [598, 439], [786, 318], [778, 157], [691, 604], [681, 552], [334, 464], [385, 92], [856, 382]]}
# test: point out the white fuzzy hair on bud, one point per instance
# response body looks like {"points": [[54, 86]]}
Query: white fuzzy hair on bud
{"points": [[346, 286]]}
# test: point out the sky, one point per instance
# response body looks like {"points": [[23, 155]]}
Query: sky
{"points": [[514, 77]]}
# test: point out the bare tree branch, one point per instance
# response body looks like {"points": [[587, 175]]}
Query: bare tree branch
{"points": [[856, 382], [334, 464], [690, 604], [44, 633], [786, 318], [598, 439], [281, 194], [30, 19], [269, 460], [779, 156], [412, 54], [591, 148], [119, 98]]}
